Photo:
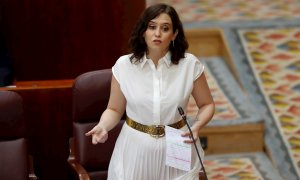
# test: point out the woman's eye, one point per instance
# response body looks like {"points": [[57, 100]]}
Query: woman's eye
{"points": [[152, 27], [165, 29]]}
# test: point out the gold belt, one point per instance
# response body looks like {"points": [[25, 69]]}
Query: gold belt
{"points": [[154, 130]]}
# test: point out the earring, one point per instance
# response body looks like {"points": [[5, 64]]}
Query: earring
{"points": [[173, 43]]}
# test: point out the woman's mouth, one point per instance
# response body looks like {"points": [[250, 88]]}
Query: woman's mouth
{"points": [[157, 41]]}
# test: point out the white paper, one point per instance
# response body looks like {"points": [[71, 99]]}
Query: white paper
{"points": [[178, 153]]}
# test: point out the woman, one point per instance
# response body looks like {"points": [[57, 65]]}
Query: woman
{"points": [[150, 84]]}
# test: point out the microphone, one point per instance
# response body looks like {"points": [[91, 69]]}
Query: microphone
{"points": [[181, 112]]}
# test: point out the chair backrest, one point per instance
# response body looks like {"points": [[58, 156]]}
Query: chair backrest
{"points": [[13, 147], [90, 95], [91, 92], [13, 159], [12, 124]]}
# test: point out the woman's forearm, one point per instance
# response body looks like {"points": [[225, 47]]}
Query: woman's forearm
{"points": [[204, 115], [109, 119]]}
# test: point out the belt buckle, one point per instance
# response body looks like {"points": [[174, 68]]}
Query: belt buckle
{"points": [[157, 131]]}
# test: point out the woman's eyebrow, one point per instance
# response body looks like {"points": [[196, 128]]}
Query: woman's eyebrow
{"points": [[152, 22], [166, 23]]}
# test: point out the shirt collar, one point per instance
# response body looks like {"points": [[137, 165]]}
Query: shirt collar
{"points": [[166, 59]]}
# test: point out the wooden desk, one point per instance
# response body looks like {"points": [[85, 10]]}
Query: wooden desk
{"points": [[48, 116]]}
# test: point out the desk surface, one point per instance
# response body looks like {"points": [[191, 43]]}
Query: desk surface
{"points": [[47, 84]]}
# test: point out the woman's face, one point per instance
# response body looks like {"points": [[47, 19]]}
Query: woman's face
{"points": [[159, 33]]}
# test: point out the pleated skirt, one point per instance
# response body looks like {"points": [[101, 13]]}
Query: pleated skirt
{"points": [[138, 156]]}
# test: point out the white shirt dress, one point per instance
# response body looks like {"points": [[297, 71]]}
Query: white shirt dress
{"points": [[152, 95]]}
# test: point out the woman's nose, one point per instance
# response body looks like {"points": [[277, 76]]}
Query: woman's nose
{"points": [[157, 32]]}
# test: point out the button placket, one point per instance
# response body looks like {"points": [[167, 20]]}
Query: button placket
{"points": [[156, 98], [156, 95]]}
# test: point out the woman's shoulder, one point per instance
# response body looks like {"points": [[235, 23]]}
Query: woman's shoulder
{"points": [[121, 66], [190, 56], [124, 59], [191, 60], [194, 63]]}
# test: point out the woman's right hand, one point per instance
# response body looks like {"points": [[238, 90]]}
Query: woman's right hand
{"points": [[99, 134]]}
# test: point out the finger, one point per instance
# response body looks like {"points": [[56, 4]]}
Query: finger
{"points": [[94, 140], [89, 133], [103, 138], [190, 141], [185, 134]]}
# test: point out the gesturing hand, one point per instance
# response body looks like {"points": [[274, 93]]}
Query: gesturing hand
{"points": [[99, 134]]}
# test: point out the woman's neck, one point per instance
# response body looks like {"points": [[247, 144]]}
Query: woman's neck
{"points": [[156, 56]]}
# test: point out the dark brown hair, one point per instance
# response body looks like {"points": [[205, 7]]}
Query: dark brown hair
{"points": [[137, 44]]}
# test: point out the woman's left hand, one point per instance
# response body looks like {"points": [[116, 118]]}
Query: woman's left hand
{"points": [[195, 132]]}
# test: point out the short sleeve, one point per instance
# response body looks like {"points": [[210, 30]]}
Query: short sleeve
{"points": [[198, 69], [116, 70]]}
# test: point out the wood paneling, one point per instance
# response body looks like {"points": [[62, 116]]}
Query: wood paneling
{"points": [[60, 39], [234, 139], [51, 42]]}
